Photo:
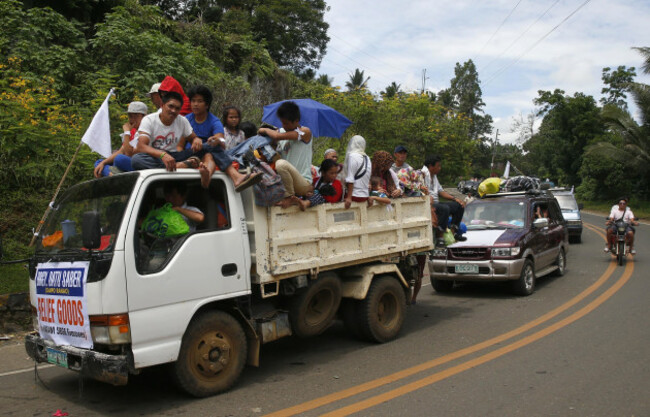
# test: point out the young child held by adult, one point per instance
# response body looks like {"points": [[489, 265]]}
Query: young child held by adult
{"points": [[377, 193]]}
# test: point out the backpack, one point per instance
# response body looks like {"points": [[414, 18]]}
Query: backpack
{"points": [[270, 190]]}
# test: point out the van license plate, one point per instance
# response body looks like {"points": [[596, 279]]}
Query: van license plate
{"points": [[466, 269], [57, 357]]}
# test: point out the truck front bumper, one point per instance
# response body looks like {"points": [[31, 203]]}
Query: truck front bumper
{"points": [[113, 369], [488, 270]]}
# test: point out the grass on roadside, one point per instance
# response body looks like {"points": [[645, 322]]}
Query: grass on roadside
{"points": [[14, 278]]}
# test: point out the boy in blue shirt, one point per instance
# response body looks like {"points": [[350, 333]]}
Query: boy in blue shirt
{"points": [[206, 125]]}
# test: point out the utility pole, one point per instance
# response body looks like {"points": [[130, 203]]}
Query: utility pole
{"points": [[424, 80], [494, 152]]}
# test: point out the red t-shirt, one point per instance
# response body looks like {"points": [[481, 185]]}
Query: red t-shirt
{"points": [[339, 192]]}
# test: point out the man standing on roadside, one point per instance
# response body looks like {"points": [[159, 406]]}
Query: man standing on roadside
{"points": [[455, 207]]}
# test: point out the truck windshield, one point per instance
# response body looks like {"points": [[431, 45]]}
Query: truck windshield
{"points": [[489, 215], [106, 196], [567, 202]]}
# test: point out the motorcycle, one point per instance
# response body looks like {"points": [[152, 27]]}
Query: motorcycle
{"points": [[618, 243]]}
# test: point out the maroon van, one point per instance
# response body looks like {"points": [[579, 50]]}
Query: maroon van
{"points": [[516, 237]]}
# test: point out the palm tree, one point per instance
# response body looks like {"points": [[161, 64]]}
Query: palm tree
{"points": [[324, 80], [392, 90], [357, 81]]}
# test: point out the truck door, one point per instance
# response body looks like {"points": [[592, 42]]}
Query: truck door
{"points": [[169, 277]]}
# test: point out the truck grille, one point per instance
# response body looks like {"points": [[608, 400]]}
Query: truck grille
{"points": [[468, 253]]}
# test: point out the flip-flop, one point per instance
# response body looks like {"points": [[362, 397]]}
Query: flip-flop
{"points": [[250, 180], [192, 162]]}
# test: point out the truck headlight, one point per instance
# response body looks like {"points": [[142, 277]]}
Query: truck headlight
{"points": [[505, 252], [110, 329]]}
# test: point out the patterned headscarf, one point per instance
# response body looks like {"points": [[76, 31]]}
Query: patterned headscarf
{"points": [[381, 163]]}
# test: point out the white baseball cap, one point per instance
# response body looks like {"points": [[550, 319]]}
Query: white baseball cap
{"points": [[154, 89], [137, 107]]}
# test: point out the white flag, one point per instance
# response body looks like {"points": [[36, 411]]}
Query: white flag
{"points": [[506, 172], [98, 135]]}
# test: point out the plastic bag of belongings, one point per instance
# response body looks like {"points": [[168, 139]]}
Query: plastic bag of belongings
{"points": [[520, 183], [468, 187], [489, 186]]}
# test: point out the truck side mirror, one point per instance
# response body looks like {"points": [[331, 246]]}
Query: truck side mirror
{"points": [[540, 223], [581, 206], [91, 233]]}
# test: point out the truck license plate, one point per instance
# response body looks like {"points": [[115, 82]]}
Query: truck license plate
{"points": [[466, 269], [57, 357]]}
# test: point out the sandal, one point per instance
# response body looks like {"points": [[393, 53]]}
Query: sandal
{"points": [[249, 180], [192, 162]]}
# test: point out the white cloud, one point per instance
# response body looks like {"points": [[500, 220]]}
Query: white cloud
{"points": [[394, 41]]}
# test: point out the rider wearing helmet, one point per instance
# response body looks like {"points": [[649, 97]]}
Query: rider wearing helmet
{"points": [[621, 211]]}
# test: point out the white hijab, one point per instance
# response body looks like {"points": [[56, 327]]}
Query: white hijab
{"points": [[356, 145]]}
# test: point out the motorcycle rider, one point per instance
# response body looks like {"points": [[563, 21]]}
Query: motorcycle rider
{"points": [[621, 211]]}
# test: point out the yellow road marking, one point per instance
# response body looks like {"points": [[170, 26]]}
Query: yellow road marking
{"points": [[358, 389], [378, 399]]}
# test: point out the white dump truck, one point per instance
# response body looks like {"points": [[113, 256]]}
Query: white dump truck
{"points": [[110, 299]]}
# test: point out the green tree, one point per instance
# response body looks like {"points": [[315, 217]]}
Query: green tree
{"points": [[392, 90], [357, 81], [293, 31], [569, 124], [325, 80], [617, 84], [466, 94]]}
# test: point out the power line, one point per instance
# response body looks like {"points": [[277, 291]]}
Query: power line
{"points": [[520, 36], [385, 77], [502, 23], [371, 56], [499, 72]]}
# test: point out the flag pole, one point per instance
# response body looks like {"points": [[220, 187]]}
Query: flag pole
{"points": [[58, 188], [56, 193]]}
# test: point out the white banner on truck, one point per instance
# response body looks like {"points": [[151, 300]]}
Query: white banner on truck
{"points": [[61, 301]]}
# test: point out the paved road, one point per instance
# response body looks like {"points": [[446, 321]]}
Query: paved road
{"points": [[577, 347]]}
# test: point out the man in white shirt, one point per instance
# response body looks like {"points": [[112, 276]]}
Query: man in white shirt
{"points": [[455, 207], [621, 211]]}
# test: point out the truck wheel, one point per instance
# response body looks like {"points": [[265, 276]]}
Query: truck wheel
{"points": [[382, 312], [442, 286], [525, 285], [212, 356], [313, 310]]}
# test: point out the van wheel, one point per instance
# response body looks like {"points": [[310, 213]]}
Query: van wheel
{"points": [[442, 286], [525, 285], [212, 355], [560, 261], [382, 312], [313, 310]]}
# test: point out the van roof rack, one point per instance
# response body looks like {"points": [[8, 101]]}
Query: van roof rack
{"points": [[533, 192]]}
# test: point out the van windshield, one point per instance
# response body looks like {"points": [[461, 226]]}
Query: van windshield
{"points": [[106, 196], [567, 202], [492, 215]]}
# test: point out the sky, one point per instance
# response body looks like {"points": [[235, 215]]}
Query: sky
{"points": [[518, 46]]}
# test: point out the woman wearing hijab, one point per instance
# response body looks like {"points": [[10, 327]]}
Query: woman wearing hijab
{"points": [[381, 163], [357, 169]]}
